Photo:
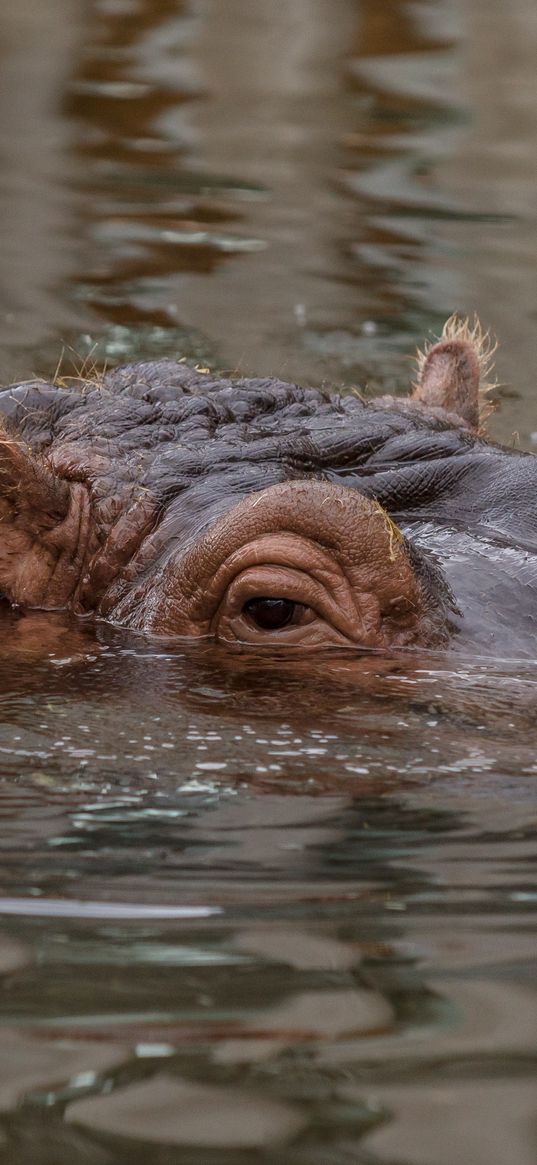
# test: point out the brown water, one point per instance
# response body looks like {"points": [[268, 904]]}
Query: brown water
{"points": [[246, 916]]}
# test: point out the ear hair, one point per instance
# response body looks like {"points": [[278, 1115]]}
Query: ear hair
{"points": [[38, 559], [28, 486], [454, 371]]}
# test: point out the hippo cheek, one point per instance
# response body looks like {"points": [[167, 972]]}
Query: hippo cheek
{"points": [[301, 564]]}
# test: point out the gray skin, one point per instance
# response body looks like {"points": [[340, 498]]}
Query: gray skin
{"points": [[149, 461]]}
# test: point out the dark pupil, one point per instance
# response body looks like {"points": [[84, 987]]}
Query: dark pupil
{"points": [[270, 614]]}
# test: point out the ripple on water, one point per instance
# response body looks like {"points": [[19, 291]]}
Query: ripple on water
{"points": [[251, 911]]}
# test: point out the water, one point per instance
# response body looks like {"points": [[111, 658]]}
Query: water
{"points": [[253, 914]]}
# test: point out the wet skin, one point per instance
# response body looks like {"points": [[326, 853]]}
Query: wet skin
{"points": [[261, 514]]}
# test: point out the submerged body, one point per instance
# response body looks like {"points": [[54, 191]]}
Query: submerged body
{"points": [[265, 514]]}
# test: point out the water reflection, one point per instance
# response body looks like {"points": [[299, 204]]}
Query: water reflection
{"points": [[252, 912], [318, 1010], [375, 718], [309, 862]]}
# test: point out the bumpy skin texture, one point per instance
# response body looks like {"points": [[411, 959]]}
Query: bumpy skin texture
{"points": [[118, 498]]}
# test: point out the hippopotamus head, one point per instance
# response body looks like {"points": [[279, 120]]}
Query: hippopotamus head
{"points": [[260, 513]]}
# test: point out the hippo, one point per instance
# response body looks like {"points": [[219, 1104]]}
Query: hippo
{"points": [[259, 514]]}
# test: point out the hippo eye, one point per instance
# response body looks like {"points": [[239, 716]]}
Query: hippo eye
{"points": [[270, 614]]}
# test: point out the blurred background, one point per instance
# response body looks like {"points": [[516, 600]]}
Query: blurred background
{"points": [[304, 188]]}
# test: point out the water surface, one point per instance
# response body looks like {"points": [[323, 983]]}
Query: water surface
{"points": [[251, 913]]}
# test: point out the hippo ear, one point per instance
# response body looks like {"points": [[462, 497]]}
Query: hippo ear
{"points": [[29, 486], [33, 504], [453, 373]]}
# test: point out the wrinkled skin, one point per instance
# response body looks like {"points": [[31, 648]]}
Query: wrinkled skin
{"points": [[262, 514]]}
